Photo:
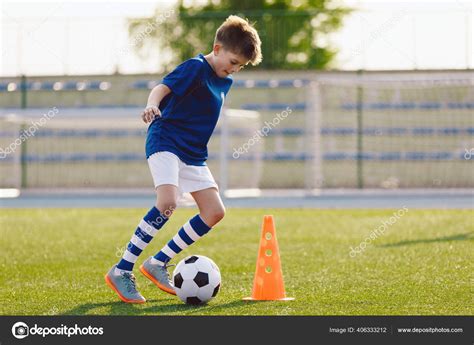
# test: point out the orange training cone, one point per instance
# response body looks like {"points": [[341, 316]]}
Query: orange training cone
{"points": [[268, 282]]}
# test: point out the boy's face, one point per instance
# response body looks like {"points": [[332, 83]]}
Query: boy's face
{"points": [[226, 62]]}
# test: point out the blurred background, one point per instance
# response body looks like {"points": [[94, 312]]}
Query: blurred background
{"points": [[353, 95]]}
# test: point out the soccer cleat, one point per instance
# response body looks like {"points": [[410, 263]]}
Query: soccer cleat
{"points": [[158, 275], [124, 285]]}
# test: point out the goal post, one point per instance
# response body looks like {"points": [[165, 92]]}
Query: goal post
{"points": [[240, 152], [10, 155], [394, 131], [313, 166]]}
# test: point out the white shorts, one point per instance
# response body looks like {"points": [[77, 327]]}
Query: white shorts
{"points": [[167, 168]]}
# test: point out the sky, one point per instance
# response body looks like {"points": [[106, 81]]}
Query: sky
{"points": [[88, 37]]}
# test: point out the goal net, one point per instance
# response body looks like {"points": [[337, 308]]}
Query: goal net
{"points": [[395, 132]]}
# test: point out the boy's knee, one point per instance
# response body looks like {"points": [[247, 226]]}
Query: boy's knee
{"points": [[166, 207], [219, 214], [214, 216]]}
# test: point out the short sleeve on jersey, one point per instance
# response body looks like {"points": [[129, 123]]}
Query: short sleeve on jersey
{"points": [[183, 76]]}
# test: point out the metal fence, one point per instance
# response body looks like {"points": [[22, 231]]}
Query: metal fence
{"points": [[307, 131]]}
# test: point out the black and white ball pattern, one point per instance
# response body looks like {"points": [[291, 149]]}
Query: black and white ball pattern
{"points": [[196, 279]]}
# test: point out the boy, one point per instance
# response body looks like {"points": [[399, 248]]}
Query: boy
{"points": [[183, 111]]}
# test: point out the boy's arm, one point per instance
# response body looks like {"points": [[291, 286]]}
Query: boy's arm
{"points": [[156, 96]]}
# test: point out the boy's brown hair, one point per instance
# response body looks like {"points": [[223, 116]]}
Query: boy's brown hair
{"points": [[240, 37]]}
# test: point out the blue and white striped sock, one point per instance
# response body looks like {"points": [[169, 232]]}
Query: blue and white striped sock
{"points": [[192, 231], [146, 230]]}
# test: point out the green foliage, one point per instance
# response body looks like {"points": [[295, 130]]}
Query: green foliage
{"points": [[294, 33]]}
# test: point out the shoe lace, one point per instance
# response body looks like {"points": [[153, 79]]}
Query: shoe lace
{"points": [[130, 282], [168, 265], [166, 273]]}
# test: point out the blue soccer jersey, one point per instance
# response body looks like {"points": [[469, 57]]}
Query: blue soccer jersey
{"points": [[189, 113]]}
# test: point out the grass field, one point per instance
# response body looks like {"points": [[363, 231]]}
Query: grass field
{"points": [[53, 262]]}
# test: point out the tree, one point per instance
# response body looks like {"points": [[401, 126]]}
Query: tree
{"points": [[294, 33]]}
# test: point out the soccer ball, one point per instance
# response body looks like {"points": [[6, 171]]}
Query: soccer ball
{"points": [[196, 279]]}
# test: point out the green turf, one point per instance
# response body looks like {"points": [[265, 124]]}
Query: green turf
{"points": [[53, 262]]}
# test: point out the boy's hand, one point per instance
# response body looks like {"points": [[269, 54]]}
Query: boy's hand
{"points": [[150, 112]]}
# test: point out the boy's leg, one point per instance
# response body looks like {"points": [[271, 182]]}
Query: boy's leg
{"points": [[120, 277], [166, 200], [149, 226], [211, 212], [211, 208], [164, 169]]}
